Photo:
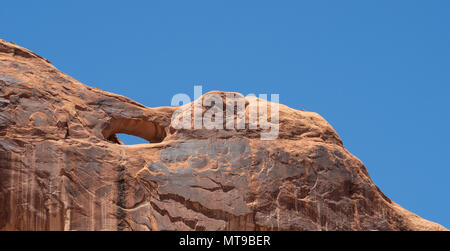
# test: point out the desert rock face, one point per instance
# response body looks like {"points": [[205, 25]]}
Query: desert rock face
{"points": [[63, 168]]}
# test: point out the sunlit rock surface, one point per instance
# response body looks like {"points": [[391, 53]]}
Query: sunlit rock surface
{"points": [[63, 168]]}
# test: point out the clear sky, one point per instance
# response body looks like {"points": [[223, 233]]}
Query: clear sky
{"points": [[377, 70]]}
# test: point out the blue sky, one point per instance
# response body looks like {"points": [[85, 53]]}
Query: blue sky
{"points": [[378, 71]]}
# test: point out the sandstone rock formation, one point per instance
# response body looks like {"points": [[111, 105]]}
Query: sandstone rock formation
{"points": [[63, 168]]}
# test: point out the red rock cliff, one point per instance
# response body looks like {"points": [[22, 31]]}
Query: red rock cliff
{"points": [[63, 168]]}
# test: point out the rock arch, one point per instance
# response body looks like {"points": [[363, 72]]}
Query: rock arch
{"points": [[148, 130]]}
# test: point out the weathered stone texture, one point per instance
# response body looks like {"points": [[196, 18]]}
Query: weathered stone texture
{"points": [[63, 168]]}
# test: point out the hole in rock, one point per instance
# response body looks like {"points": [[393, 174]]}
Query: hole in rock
{"points": [[127, 139], [133, 131]]}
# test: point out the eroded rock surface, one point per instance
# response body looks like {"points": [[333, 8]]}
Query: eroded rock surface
{"points": [[63, 168]]}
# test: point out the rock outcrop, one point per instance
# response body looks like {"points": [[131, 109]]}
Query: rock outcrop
{"points": [[62, 166]]}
